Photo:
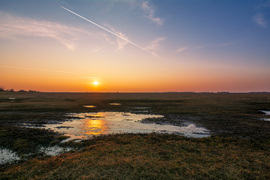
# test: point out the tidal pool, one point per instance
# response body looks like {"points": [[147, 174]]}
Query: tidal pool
{"points": [[54, 150], [87, 125], [115, 104], [8, 156], [268, 114], [89, 106]]}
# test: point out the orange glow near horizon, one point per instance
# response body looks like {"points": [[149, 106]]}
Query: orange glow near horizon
{"points": [[183, 81], [126, 76]]}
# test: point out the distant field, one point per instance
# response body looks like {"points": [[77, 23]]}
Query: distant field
{"points": [[235, 121], [223, 114]]}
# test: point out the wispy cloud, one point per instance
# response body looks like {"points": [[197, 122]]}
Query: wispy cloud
{"points": [[226, 44], [263, 5], [219, 45], [16, 27], [88, 77], [96, 50], [150, 13], [105, 29], [259, 19], [36, 69], [120, 42], [181, 49], [155, 45]]}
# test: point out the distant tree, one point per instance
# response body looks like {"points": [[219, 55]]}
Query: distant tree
{"points": [[22, 90], [11, 90], [2, 89], [32, 91]]}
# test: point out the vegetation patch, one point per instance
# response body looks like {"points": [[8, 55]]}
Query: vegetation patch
{"points": [[151, 156], [27, 140]]}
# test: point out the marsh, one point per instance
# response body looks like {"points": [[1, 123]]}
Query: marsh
{"points": [[35, 125]]}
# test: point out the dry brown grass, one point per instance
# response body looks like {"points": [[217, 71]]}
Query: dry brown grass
{"points": [[152, 157]]}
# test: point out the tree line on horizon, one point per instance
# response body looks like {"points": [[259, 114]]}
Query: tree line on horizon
{"points": [[2, 89]]}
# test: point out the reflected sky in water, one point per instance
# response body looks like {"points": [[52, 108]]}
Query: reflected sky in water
{"points": [[87, 125], [7, 155], [267, 113], [89, 106]]}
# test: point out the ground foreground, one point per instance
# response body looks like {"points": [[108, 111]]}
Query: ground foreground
{"points": [[239, 147], [152, 157]]}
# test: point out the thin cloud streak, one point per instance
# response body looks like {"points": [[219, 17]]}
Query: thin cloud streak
{"points": [[36, 69], [149, 11], [14, 27], [228, 44], [121, 43], [259, 19], [105, 29], [181, 49], [96, 50], [220, 45], [155, 45], [263, 5], [88, 77]]}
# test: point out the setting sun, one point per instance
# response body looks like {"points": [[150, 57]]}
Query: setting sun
{"points": [[95, 83]]}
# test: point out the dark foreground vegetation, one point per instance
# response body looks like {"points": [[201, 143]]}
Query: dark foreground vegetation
{"points": [[239, 147], [152, 157]]}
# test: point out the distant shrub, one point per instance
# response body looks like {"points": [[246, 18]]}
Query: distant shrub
{"points": [[32, 91], [2, 89]]}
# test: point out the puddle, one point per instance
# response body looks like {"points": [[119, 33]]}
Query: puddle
{"points": [[87, 125], [267, 113], [141, 107], [8, 156], [115, 104], [89, 106], [54, 150]]}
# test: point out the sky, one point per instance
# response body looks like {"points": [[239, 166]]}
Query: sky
{"points": [[135, 45]]}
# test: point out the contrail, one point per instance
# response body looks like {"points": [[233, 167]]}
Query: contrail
{"points": [[108, 30]]}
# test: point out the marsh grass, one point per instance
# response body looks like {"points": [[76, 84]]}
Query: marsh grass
{"points": [[151, 156], [27, 140], [238, 149]]}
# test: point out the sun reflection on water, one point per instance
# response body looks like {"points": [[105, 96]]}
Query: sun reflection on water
{"points": [[96, 115], [95, 127]]}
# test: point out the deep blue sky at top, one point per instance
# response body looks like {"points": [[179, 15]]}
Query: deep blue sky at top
{"points": [[186, 22]]}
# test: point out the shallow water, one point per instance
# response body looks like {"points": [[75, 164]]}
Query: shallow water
{"points": [[115, 104], [54, 150], [87, 125], [8, 156], [89, 106], [268, 114]]}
